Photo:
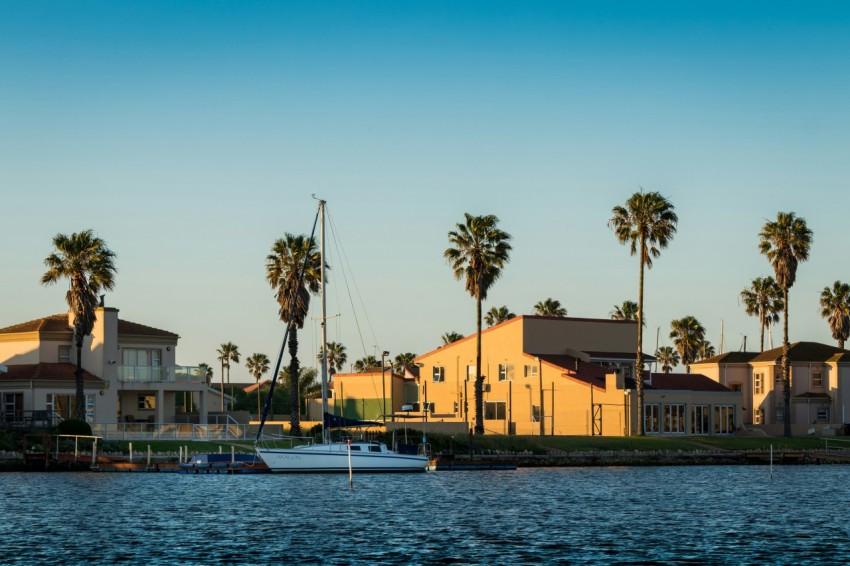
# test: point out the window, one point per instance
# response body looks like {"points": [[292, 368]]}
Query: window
{"points": [[142, 358], [736, 387], [700, 419], [495, 410], [147, 402], [780, 413], [64, 354], [724, 419], [64, 406], [651, 422], [438, 373], [13, 407], [456, 406], [374, 448], [530, 371], [428, 407], [470, 373], [354, 448], [823, 414], [817, 380], [777, 375], [506, 372], [758, 383], [535, 413], [758, 416], [674, 418]]}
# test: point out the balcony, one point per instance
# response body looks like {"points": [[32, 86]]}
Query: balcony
{"points": [[160, 374]]}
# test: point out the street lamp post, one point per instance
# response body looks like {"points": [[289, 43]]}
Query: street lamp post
{"points": [[540, 378], [384, 354]]}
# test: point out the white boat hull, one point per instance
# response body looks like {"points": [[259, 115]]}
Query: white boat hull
{"points": [[334, 458]]}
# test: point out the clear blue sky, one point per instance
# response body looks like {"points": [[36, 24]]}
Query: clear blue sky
{"points": [[190, 135]]}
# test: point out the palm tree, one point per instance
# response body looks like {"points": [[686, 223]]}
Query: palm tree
{"points": [[257, 365], [450, 337], [403, 361], [628, 311], [687, 334], [498, 315], [478, 252], [647, 223], [205, 372], [835, 308], [763, 298], [550, 307], [667, 357], [336, 357], [705, 350], [369, 363], [292, 288], [785, 242], [84, 260], [227, 353], [305, 386]]}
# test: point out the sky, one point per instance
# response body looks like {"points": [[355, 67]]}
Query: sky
{"points": [[191, 135]]}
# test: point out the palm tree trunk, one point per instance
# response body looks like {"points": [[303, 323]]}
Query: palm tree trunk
{"points": [[294, 417], [222, 387], [258, 398], [761, 322], [639, 357], [79, 405], [786, 376], [479, 379]]}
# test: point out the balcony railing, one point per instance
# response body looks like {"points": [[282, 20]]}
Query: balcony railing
{"points": [[160, 374]]}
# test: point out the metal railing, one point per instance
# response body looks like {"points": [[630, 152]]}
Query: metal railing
{"points": [[230, 430], [158, 374]]}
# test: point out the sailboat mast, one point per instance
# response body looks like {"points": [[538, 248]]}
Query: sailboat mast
{"points": [[324, 320]]}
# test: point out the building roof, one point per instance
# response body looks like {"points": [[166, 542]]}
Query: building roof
{"points": [[254, 386], [621, 356], [59, 323], [45, 372], [682, 382], [729, 358], [806, 352], [588, 372]]}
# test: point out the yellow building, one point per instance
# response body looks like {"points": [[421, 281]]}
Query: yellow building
{"points": [[543, 375]]}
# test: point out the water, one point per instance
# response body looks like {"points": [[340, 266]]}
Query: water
{"points": [[723, 515]]}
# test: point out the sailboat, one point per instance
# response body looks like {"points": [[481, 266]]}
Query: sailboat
{"points": [[328, 456]]}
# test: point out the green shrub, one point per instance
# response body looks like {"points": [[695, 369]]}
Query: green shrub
{"points": [[73, 426]]}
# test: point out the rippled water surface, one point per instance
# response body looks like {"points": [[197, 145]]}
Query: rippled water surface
{"points": [[731, 515]]}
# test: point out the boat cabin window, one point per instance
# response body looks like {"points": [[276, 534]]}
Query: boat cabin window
{"points": [[355, 448], [374, 449]]}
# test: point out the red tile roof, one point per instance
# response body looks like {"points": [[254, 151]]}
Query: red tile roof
{"points": [[45, 372], [806, 352], [59, 323], [588, 372], [682, 382]]}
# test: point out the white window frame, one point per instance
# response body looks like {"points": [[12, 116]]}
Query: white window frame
{"points": [[758, 383], [817, 383], [652, 411], [506, 372], [500, 408], [530, 370], [438, 374], [674, 418], [65, 359], [700, 419], [722, 414], [822, 415], [758, 416]]}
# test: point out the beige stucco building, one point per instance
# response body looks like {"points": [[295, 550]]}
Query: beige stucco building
{"points": [[542, 375], [130, 373], [820, 385]]}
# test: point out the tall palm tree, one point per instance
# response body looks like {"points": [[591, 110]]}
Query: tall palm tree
{"points": [[403, 361], [478, 252], [647, 223], [227, 353], [369, 363], [336, 357], [258, 364], [835, 308], [785, 242], [550, 307], [305, 387], [687, 334], [283, 272], [763, 298], [498, 315], [88, 264], [628, 311], [450, 337], [667, 357]]}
